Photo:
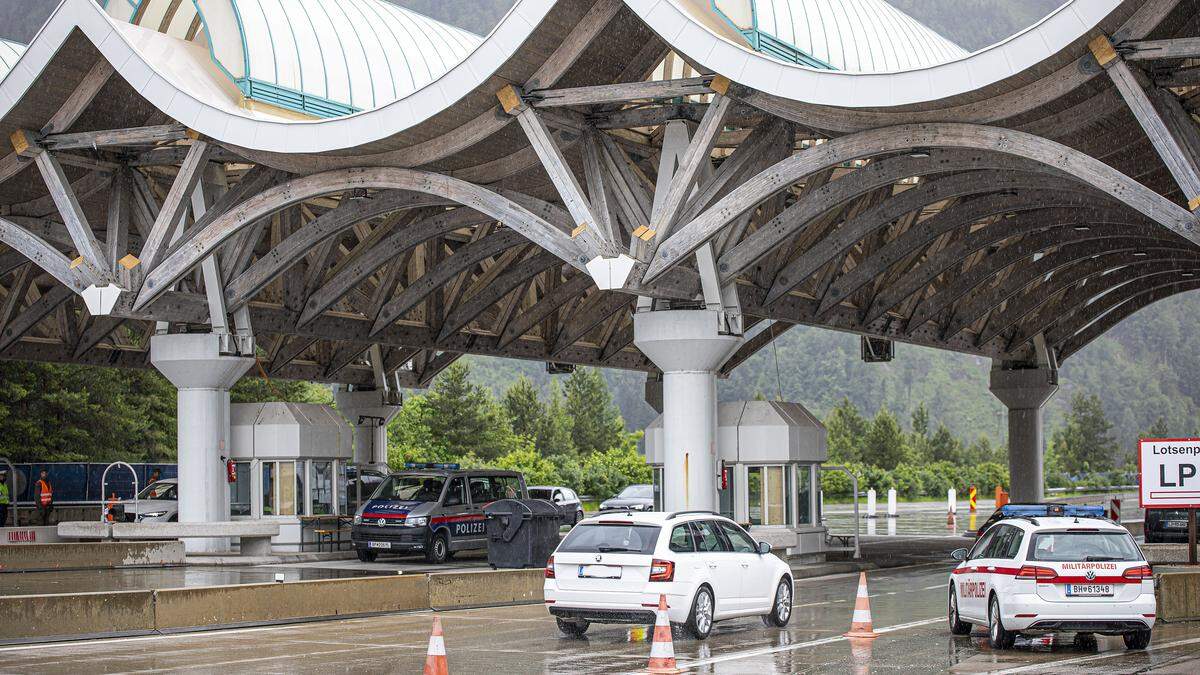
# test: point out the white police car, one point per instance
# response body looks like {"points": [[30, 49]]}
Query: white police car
{"points": [[1056, 573], [612, 568]]}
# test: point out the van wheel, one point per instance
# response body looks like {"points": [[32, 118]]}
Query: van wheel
{"points": [[438, 549], [998, 636], [781, 609], [957, 625], [367, 556], [700, 620], [574, 629], [1138, 639]]}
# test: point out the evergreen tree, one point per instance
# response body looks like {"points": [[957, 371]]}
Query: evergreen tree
{"points": [[525, 410], [884, 442], [554, 434], [252, 389], [846, 429], [944, 447], [918, 442], [464, 418], [1160, 429], [920, 420], [1085, 443], [596, 423]]}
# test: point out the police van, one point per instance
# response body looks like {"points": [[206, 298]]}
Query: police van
{"points": [[435, 509]]}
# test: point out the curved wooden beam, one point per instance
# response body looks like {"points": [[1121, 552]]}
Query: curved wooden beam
{"points": [[1024, 223], [877, 174], [547, 305], [588, 317], [927, 231], [1095, 274], [1056, 157], [504, 210], [510, 279], [985, 299], [881, 215], [383, 252], [1136, 300], [44, 256], [463, 259]]}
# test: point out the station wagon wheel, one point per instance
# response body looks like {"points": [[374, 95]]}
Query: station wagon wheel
{"points": [[1138, 639], [700, 621], [957, 625], [574, 629], [998, 636], [781, 609]]}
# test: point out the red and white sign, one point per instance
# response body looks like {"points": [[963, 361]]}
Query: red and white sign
{"points": [[1169, 473]]}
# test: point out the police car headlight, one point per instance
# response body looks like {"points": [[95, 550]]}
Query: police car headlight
{"points": [[358, 518], [418, 521]]}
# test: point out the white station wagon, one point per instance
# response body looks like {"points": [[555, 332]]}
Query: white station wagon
{"points": [[612, 568], [1053, 574]]}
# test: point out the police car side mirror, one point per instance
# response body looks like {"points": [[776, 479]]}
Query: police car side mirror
{"points": [[959, 554], [764, 548]]}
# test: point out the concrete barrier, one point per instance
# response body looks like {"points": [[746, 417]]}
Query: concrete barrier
{"points": [[1178, 594], [1157, 554], [92, 555], [482, 588], [36, 617], [29, 535], [183, 608]]}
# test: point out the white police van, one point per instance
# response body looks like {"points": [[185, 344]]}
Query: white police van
{"points": [[435, 509], [1065, 569]]}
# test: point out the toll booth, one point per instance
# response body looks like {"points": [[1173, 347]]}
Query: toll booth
{"points": [[290, 463], [769, 454]]}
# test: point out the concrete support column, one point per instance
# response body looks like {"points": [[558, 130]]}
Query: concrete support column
{"points": [[194, 364], [688, 347], [1024, 392], [369, 412]]}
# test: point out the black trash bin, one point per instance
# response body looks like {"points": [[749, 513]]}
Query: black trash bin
{"points": [[521, 532]]}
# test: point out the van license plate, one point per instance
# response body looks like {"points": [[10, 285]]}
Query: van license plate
{"points": [[379, 544], [1086, 590], [1177, 524], [599, 572]]}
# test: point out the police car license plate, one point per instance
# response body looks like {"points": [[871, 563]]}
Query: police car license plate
{"points": [[1084, 590], [379, 544], [1177, 524], [599, 572]]}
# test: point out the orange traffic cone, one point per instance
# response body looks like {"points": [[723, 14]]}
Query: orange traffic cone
{"points": [[662, 651], [860, 626], [435, 658]]}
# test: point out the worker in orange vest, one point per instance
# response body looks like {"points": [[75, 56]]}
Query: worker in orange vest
{"points": [[108, 508], [44, 497]]}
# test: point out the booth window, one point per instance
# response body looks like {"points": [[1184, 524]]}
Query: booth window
{"points": [[282, 484], [239, 490], [343, 489], [658, 488], [268, 488], [770, 494], [321, 488], [725, 497], [804, 474]]}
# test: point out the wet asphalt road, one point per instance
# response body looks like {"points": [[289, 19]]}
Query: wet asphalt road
{"points": [[908, 606]]}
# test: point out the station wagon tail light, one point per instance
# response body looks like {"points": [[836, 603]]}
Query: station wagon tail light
{"points": [[662, 570], [550, 568], [1035, 572], [1139, 572]]}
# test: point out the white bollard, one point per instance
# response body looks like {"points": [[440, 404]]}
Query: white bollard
{"points": [[871, 503], [952, 500], [891, 527], [891, 502]]}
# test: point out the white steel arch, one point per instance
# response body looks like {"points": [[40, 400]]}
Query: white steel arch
{"points": [[10, 53]]}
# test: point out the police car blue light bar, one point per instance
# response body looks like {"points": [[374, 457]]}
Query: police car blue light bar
{"points": [[1046, 510], [431, 465]]}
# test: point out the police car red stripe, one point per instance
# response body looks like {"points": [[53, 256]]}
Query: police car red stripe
{"points": [[439, 520]]}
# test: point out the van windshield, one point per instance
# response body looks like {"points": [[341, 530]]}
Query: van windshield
{"points": [[611, 538], [411, 488]]}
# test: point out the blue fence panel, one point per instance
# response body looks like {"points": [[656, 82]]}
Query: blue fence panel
{"points": [[80, 482]]}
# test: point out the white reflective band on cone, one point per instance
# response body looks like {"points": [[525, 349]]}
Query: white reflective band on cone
{"points": [[661, 650], [436, 646], [861, 616]]}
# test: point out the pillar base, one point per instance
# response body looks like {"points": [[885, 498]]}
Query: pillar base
{"points": [[194, 363], [1024, 392], [689, 348], [369, 412]]}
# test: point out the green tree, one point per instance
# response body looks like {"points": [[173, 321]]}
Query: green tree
{"points": [[918, 442], [537, 469], [554, 433], [462, 417], [596, 423], [845, 431], [1160, 429], [1085, 443], [525, 410], [944, 447], [252, 389], [883, 445]]}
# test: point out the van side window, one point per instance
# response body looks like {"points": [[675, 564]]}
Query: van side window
{"points": [[455, 495], [681, 540], [506, 487], [481, 490]]}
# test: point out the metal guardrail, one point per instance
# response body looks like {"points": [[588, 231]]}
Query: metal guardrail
{"points": [[857, 523], [1080, 488]]}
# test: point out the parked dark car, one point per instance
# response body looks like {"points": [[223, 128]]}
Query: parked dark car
{"points": [[1166, 525], [562, 497], [634, 497]]}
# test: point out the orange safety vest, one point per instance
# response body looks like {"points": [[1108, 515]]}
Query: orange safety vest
{"points": [[108, 508], [46, 495]]}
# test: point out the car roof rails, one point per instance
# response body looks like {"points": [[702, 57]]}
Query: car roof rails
{"points": [[671, 516]]}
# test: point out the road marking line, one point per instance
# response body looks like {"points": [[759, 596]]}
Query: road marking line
{"points": [[930, 588], [804, 645], [144, 638], [1096, 657]]}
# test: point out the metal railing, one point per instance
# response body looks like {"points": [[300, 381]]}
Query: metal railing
{"points": [[857, 523]]}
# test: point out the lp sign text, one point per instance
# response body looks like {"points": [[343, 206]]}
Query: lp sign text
{"points": [[1169, 473]]}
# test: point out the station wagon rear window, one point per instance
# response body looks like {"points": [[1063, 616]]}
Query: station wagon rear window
{"points": [[611, 538], [1092, 546]]}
